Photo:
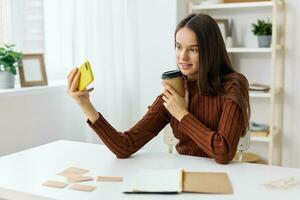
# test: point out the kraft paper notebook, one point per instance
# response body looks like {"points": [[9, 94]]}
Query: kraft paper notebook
{"points": [[175, 181]]}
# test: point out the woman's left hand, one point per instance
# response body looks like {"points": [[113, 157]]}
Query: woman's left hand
{"points": [[174, 103]]}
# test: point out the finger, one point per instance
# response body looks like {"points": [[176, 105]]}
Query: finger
{"points": [[165, 104], [71, 72], [71, 77], [82, 93], [167, 93], [75, 82], [88, 90], [165, 99], [170, 89]]}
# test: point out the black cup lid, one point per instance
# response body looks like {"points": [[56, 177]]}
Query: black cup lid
{"points": [[171, 74]]}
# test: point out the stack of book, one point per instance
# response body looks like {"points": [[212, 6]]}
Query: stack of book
{"points": [[260, 130]]}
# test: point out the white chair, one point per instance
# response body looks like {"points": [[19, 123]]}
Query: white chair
{"points": [[169, 138], [244, 145], [171, 141]]}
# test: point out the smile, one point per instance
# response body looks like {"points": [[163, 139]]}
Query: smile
{"points": [[185, 65]]}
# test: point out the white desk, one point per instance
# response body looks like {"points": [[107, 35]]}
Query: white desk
{"points": [[22, 174]]}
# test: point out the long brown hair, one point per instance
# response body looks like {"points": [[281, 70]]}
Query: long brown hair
{"points": [[215, 67]]}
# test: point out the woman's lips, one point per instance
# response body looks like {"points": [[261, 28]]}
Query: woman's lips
{"points": [[185, 65]]}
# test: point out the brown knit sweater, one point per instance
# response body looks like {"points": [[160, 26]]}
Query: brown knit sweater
{"points": [[211, 129]]}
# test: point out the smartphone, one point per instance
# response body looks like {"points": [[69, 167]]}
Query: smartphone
{"points": [[86, 75]]}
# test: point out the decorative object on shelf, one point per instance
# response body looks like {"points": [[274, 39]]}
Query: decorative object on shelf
{"points": [[223, 25], [259, 87], [258, 127], [33, 72], [263, 30], [242, 1], [10, 60], [229, 42]]}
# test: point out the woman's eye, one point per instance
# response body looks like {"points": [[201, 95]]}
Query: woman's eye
{"points": [[194, 50], [178, 47]]}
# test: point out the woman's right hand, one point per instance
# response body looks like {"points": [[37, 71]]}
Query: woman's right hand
{"points": [[81, 97]]}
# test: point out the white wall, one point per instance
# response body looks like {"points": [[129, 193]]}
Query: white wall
{"points": [[291, 142], [39, 116]]}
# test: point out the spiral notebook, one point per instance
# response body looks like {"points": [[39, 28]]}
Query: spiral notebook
{"points": [[175, 181]]}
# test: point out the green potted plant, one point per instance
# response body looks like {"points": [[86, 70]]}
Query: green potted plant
{"points": [[263, 30], [9, 61]]}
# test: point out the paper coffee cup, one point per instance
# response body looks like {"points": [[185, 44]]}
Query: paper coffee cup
{"points": [[175, 79]]}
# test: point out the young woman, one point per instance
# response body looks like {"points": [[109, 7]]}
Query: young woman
{"points": [[208, 121]]}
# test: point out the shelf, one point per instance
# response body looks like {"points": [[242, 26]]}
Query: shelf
{"points": [[231, 5], [260, 139], [259, 94], [266, 138], [26, 90], [255, 94], [249, 50]]}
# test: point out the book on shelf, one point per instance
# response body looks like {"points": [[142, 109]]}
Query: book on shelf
{"points": [[259, 133], [255, 127], [175, 181]]}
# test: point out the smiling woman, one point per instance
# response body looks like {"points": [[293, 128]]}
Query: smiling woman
{"points": [[208, 120]]}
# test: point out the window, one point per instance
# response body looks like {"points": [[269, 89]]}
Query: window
{"points": [[25, 25]]}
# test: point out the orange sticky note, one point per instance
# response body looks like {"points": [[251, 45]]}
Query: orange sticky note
{"points": [[85, 188], [56, 184], [74, 179], [110, 178], [72, 171]]}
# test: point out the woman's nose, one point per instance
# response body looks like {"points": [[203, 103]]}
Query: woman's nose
{"points": [[184, 55]]}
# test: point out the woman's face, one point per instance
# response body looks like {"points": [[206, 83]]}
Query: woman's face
{"points": [[187, 53]]}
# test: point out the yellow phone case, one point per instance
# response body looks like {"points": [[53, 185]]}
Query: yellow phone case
{"points": [[86, 75]]}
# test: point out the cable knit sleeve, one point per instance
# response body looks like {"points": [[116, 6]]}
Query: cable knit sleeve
{"points": [[127, 143]]}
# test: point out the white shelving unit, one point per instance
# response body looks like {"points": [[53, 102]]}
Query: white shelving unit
{"points": [[275, 54]]}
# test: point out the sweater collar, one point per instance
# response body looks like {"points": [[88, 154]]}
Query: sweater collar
{"points": [[192, 84]]}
